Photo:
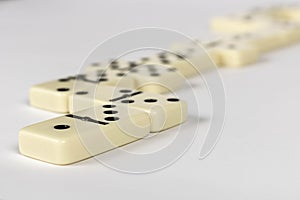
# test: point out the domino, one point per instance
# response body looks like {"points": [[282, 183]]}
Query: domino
{"points": [[75, 137], [54, 95], [156, 78], [265, 41], [262, 42], [269, 28], [164, 112], [232, 54], [290, 31], [280, 35], [241, 23], [189, 62], [289, 13], [215, 59]]}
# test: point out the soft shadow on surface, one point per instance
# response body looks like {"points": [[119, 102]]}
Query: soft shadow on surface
{"points": [[15, 149]]}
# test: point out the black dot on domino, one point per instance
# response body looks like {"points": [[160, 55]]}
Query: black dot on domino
{"points": [[127, 101], [81, 93], [132, 64], [151, 68], [95, 64], [164, 61], [111, 119], [162, 55], [154, 74], [63, 79], [109, 106], [172, 69], [248, 17], [103, 79], [120, 74], [173, 100], [150, 100], [125, 91], [61, 127], [231, 46], [114, 66], [62, 89], [110, 112], [145, 59]]}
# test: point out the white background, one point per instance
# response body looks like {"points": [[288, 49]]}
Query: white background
{"points": [[256, 158]]}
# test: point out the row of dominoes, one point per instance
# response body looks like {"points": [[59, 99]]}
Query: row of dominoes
{"points": [[116, 104], [104, 106], [244, 37], [247, 36], [257, 19]]}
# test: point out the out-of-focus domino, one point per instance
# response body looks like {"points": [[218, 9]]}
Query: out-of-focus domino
{"points": [[280, 35], [54, 95], [290, 31], [189, 62], [164, 112], [213, 59], [289, 13], [241, 23], [156, 79], [231, 53], [74, 137], [264, 41]]}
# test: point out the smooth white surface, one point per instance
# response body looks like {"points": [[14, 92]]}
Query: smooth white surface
{"points": [[256, 158]]}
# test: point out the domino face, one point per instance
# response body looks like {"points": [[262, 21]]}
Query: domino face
{"points": [[164, 112], [156, 79], [54, 95], [74, 137]]}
